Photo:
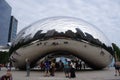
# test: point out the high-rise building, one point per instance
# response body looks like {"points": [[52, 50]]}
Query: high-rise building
{"points": [[12, 29], [5, 15], [8, 24]]}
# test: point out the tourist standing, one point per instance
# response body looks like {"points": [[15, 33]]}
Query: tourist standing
{"points": [[72, 69], [67, 68], [52, 66], [28, 67], [0, 66], [8, 66], [47, 68], [117, 68], [61, 65]]}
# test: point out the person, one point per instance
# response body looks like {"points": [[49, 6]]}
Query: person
{"points": [[77, 64], [47, 68], [0, 66], [52, 66], [117, 68], [9, 65], [7, 76], [61, 65], [72, 70], [28, 67], [42, 66], [67, 68]]}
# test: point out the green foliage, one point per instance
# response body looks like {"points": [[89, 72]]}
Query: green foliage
{"points": [[117, 51], [4, 57]]}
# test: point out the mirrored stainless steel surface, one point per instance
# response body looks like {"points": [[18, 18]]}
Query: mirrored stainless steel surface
{"points": [[62, 28]]}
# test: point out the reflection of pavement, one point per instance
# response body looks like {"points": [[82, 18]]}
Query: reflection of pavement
{"points": [[107, 74]]}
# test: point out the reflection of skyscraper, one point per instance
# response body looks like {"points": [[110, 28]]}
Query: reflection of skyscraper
{"points": [[69, 33], [12, 29], [89, 37], [80, 33], [5, 14], [8, 24], [50, 33]]}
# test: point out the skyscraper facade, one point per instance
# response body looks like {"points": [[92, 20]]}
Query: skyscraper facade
{"points": [[5, 15], [8, 24], [12, 29]]}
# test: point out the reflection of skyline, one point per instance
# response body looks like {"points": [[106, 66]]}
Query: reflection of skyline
{"points": [[78, 36], [69, 33]]}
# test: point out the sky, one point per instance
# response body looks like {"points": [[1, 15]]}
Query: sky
{"points": [[104, 14]]}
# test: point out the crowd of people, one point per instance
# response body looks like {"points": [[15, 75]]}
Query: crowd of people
{"points": [[59, 65], [67, 66], [50, 66]]}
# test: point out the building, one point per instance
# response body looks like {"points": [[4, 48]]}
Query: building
{"points": [[12, 29], [5, 15], [8, 24]]}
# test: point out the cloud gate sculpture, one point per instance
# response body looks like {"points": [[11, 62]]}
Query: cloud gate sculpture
{"points": [[61, 36]]}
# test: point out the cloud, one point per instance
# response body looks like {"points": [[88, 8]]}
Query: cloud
{"points": [[104, 14]]}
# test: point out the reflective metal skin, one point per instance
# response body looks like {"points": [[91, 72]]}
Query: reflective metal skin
{"points": [[61, 36]]}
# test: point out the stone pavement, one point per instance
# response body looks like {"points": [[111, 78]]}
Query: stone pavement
{"points": [[106, 74]]}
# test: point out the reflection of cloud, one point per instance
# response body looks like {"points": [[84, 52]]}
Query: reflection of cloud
{"points": [[105, 14]]}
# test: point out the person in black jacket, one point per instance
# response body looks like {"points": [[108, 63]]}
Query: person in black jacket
{"points": [[117, 68], [72, 70]]}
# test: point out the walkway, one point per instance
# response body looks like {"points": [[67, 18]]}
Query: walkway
{"points": [[106, 74]]}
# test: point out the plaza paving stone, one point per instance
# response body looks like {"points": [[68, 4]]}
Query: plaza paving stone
{"points": [[106, 74]]}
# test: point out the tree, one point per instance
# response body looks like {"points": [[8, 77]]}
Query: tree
{"points": [[4, 57], [117, 52]]}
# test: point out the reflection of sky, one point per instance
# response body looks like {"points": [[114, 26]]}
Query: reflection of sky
{"points": [[62, 59], [105, 14]]}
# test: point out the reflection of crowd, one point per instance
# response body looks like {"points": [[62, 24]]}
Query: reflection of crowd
{"points": [[80, 65], [59, 66]]}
